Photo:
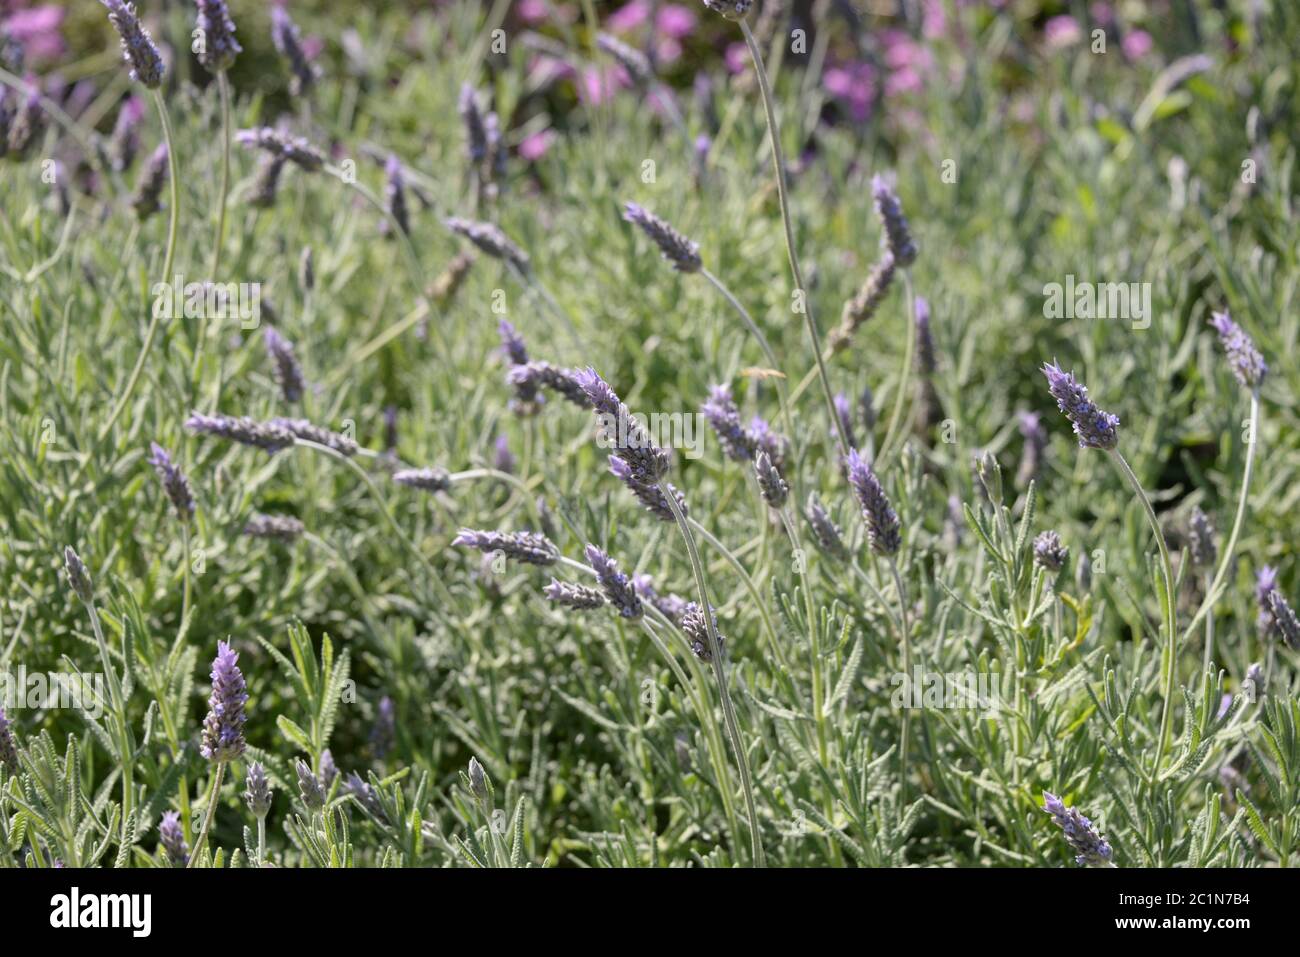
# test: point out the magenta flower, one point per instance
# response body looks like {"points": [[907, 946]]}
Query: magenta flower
{"points": [[854, 86], [39, 30], [1136, 44], [1062, 31]]}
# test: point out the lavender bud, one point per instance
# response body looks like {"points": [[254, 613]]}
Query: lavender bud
{"points": [[1096, 429], [1090, 847], [257, 790], [309, 786], [648, 463], [676, 248], [1083, 573], [478, 780], [148, 190], [1031, 459], [1246, 362], [721, 413], [503, 460], [897, 234], [284, 528], [765, 439], [267, 184], [475, 134], [864, 304], [267, 436], [491, 240], [307, 270], [825, 532], [384, 732], [883, 532], [365, 795], [390, 429], [1265, 585], [1049, 553], [78, 577], [513, 347], [172, 838], [8, 749], [527, 547], [1255, 675], [670, 606], [844, 412], [696, 630], [309, 432], [219, 47], [1201, 538], [329, 771], [774, 488], [125, 141], [925, 361], [1284, 619], [295, 149], [174, 482], [288, 373], [531, 376], [649, 495], [616, 585], [395, 190], [285, 36], [579, 597], [730, 9], [138, 48], [223, 729], [430, 480]]}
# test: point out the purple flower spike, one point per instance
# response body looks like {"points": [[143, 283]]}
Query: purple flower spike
{"points": [[512, 343], [825, 531], [766, 439], [1091, 849], [1265, 585], [670, 606], [1246, 362], [285, 36], [257, 790], [269, 437], [577, 597], [618, 589], [384, 732], [528, 547], [528, 378], [138, 48], [883, 531], [146, 200], [770, 483], [1049, 553], [649, 495], [173, 840], [898, 236], [844, 412], [288, 373], [219, 47], [223, 729], [676, 248], [1284, 619], [430, 480], [1200, 536], [925, 360], [696, 630], [173, 481], [1096, 429], [395, 190], [503, 460], [1031, 460], [721, 413], [647, 462]]}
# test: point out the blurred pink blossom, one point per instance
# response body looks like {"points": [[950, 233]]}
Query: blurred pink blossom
{"points": [[38, 29], [532, 11], [598, 84], [854, 85], [628, 17], [1062, 31], [737, 57], [676, 21], [934, 23], [535, 145], [1136, 44], [1102, 12]]}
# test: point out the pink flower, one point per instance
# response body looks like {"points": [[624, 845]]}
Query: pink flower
{"points": [[38, 30], [598, 84], [1136, 44], [737, 57], [1102, 12], [676, 21], [934, 23], [854, 85], [628, 17], [535, 145], [531, 11], [1062, 31]]}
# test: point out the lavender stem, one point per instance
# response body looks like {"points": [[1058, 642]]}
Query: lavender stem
{"points": [[209, 814]]}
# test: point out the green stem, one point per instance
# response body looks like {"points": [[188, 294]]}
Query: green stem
{"points": [[719, 671], [907, 672], [223, 86], [209, 814], [896, 418], [778, 160], [185, 572], [156, 315], [1170, 608]]}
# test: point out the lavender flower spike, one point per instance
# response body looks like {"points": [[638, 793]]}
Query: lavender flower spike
{"points": [[269, 437], [883, 531], [897, 234], [825, 532], [721, 413], [138, 48], [616, 585], [310, 432], [1049, 553], [295, 149], [528, 547], [384, 732], [288, 373], [173, 839], [148, 190], [531, 376], [648, 494], [730, 9], [1265, 585], [223, 729], [219, 46], [313, 795], [864, 303], [284, 528], [1284, 618], [475, 133], [648, 463], [844, 412], [578, 597], [671, 606], [395, 190], [430, 480], [285, 36], [491, 240], [78, 577], [174, 482], [696, 629], [774, 488], [1090, 847], [257, 790], [1205, 552], [8, 750], [676, 248], [1096, 429], [1246, 362]]}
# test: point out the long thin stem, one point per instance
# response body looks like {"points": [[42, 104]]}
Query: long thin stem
{"points": [[209, 814], [907, 673], [1170, 607], [185, 572], [719, 671], [896, 420], [778, 160], [218, 241], [1212, 593], [126, 742], [152, 332]]}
